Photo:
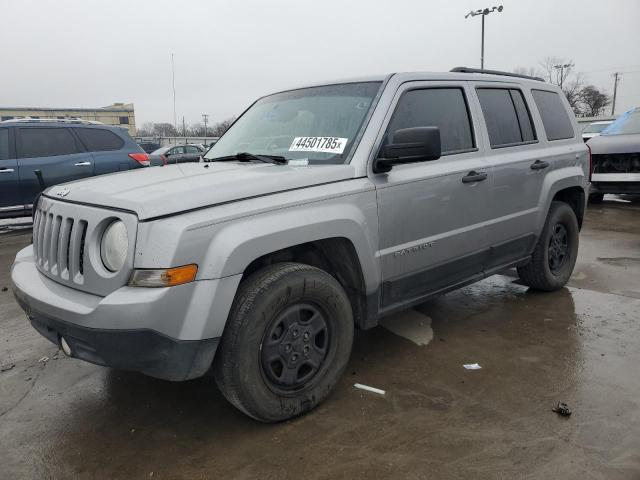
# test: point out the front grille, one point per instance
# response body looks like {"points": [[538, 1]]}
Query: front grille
{"points": [[58, 245], [616, 163]]}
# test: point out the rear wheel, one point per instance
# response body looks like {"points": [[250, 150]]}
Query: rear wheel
{"points": [[286, 343], [555, 254]]}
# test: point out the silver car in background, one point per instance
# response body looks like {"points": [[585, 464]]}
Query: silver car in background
{"points": [[616, 157]]}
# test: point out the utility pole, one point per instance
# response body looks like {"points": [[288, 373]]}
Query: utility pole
{"points": [[173, 77], [616, 79], [561, 68], [484, 12], [205, 116], [184, 130]]}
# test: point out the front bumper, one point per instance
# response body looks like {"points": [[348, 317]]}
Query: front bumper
{"points": [[169, 333], [143, 351], [615, 183]]}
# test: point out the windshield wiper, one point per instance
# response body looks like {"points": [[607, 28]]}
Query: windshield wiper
{"points": [[246, 156]]}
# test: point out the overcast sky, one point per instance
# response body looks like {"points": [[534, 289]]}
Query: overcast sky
{"points": [[86, 53]]}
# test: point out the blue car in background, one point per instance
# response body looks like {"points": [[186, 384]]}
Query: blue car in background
{"points": [[61, 151]]}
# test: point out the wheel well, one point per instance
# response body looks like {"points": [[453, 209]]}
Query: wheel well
{"points": [[575, 198], [336, 256]]}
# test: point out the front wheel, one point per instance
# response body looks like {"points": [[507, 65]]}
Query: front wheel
{"points": [[556, 252], [286, 343]]}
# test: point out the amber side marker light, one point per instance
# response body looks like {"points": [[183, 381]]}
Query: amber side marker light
{"points": [[167, 277]]}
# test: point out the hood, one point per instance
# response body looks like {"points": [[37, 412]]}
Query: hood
{"points": [[603, 144], [159, 191]]}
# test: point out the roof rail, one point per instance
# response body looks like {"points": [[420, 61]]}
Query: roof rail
{"points": [[494, 72], [52, 120]]}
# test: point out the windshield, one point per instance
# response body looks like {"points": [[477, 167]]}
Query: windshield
{"points": [[315, 125], [595, 127], [160, 151], [628, 123]]}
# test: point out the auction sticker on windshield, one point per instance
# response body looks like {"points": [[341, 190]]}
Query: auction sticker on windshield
{"points": [[318, 144]]}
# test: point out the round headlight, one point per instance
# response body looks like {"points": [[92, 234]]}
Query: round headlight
{"points": [[114, 246]]}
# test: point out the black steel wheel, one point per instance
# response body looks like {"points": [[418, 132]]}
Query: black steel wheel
{"points": [[556, 252], [286, 343], [558, 248], [294, 347]]}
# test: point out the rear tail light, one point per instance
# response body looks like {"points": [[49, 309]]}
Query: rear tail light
{"points": [[590, 162], [141, 158]]}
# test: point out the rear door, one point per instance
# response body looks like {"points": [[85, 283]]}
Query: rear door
{"points": [[55, 152], [9, 181], [106, 149], [518, 163]]}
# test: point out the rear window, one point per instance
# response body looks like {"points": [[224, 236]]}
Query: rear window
{"points": [[45, 142], [99, 140], [556, 122], [4, 144], [507, 117]]}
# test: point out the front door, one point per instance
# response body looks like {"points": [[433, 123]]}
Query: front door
{"points": [[55, 152], [432, 214]]}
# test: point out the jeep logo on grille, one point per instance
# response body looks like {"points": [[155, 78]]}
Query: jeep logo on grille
{"points": [[63, 193]]}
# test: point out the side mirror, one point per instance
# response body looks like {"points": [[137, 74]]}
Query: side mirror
{"points": [[409, 145]]}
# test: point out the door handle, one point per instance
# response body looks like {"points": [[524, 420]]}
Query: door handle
{"points": [[6, 170], [539, 165], [82, 164], [474, 176]]}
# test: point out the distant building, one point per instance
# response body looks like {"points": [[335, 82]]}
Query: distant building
{"points": [[119, 114]]}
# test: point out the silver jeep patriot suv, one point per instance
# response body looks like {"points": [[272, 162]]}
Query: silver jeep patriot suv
{"points": [[322, 209]]}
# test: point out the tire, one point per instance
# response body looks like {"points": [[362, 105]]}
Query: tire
{"points": [[286, 343], [596, 197], [547, 271]]}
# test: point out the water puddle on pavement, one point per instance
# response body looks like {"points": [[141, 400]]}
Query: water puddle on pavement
{"points": [[410, 324]]}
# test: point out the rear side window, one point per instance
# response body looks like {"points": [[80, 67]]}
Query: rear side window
{"points": [[445, 108], [4, 143], [99, 140], [45, 142], [506, 116], [554, 116]]}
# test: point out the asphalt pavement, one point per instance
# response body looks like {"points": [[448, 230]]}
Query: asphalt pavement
{"points": [[63, 418]]}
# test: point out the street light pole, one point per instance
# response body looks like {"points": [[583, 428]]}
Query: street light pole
{"points": [[484, 12], [561, 68], [205, 116]]}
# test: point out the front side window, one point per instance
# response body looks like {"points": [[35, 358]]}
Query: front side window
{"points": [[45, 142], [506, 116], [317, 125], [191, 149], [445, 108], [99, 140], [4, 143], [554, 115]]}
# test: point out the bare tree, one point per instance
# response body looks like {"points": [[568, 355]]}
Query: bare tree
{"points": [[559, 71], [164, 130], [572, 89], [197, 130], [593, 101], [530, 71], [146, 130], [219, 128]]}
